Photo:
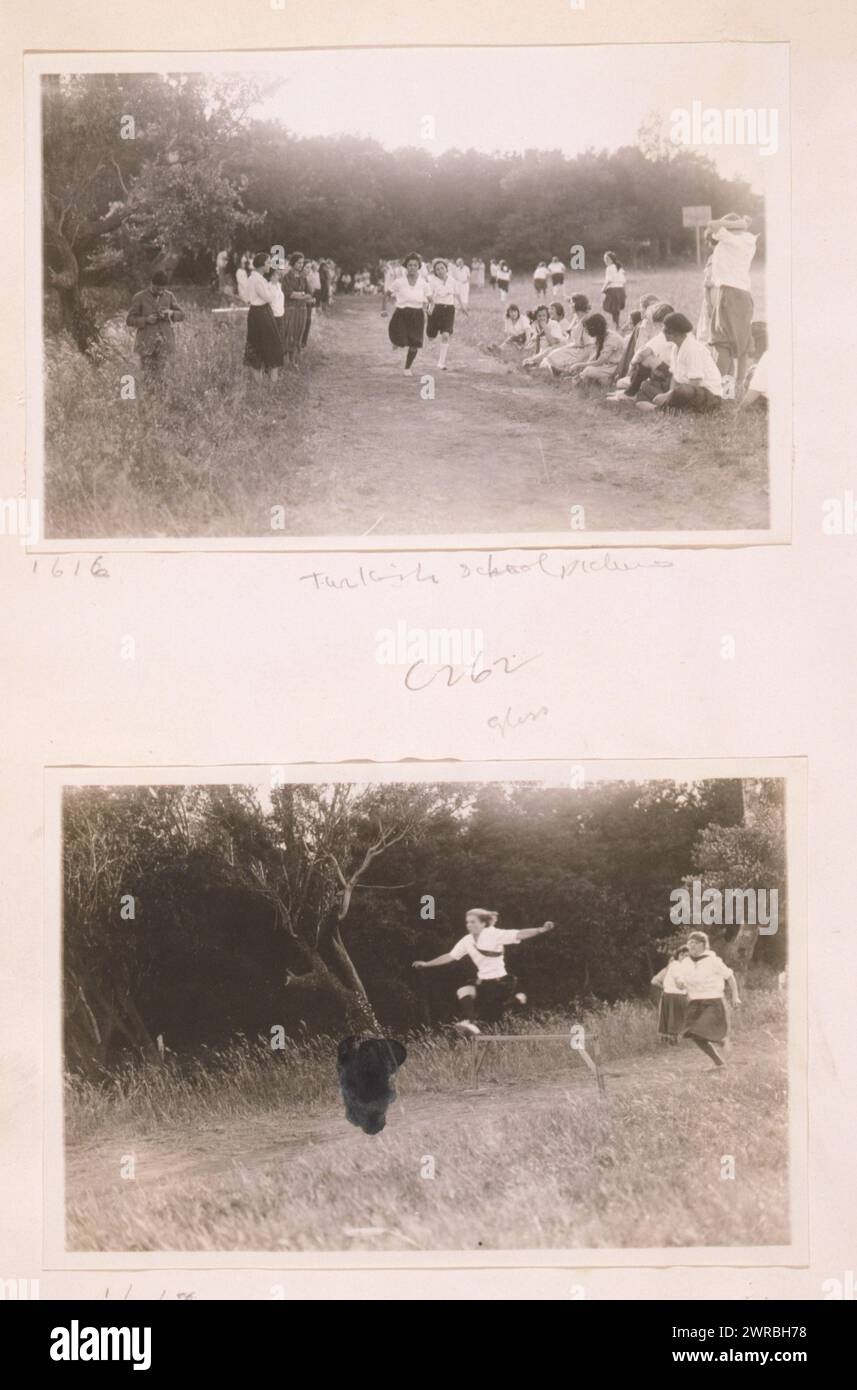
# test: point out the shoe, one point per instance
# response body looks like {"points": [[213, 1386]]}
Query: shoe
{"points": [[465, 1026], [520, 998], [623, 382]]}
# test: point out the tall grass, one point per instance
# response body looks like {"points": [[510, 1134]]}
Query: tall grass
{"points": [[207, 453], [247, 1077]]}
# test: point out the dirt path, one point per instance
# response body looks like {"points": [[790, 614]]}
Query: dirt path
{"points": [[496, 450], [252, 1145]]}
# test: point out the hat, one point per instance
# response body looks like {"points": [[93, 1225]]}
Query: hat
{"points": [[732, 221]]}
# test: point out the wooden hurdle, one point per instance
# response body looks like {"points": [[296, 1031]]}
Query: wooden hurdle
{"points": [[591, 1056]]}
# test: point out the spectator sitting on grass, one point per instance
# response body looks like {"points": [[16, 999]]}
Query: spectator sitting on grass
{"points": [[696, 381]]}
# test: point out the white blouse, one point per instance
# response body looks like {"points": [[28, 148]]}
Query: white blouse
{"points": [[442, 291], [278, 303], [614, 277], [259, 291], [410, 296], [704, 978]]}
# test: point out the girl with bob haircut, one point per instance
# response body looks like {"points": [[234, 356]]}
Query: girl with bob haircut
{"points": [[408, 323]]}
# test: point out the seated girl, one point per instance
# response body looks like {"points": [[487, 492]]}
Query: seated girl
{"points": [[604, 356], [697, 385], [575, 350], [651, 359], [516, 329], [546, 334]]}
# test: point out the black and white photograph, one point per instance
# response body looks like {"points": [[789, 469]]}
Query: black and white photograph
{"points": [[399, 297], [543, 1008]]}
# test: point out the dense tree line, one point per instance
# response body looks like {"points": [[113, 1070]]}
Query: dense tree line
{"points": [[200, 913], [143, 171]]}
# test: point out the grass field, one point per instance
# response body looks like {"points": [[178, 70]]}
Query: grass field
{"points": [[249, 1150], [346, 446]]}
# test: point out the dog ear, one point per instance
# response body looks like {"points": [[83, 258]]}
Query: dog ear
{"points": [[397, 1050], [346, 1047]]}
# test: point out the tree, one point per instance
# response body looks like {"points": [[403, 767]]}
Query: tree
{"points": [[134, 160], [749, 855], [318, 844]]}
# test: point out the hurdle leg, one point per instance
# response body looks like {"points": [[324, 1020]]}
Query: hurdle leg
{"points": [[478, 1059]]}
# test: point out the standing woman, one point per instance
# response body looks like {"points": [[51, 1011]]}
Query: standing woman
{"points": [[444, 297], [297, 307], [264, 348], [324, 285], [504, 275], [462, 275], [672, 1003], [557, 274], [705, 977], [614, 287], [408, 324]]}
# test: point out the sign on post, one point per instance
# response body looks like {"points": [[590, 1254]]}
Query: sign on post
{"points": [[696, 217]]}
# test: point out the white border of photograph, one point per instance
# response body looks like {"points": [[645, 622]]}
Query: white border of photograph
{"points": [[778, 315], [553, 772]]}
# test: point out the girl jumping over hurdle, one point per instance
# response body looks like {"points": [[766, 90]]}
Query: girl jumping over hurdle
{"points": [[495, 989]]}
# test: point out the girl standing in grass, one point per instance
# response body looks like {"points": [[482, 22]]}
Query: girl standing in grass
{"points": [[408, 323], [484, 943], [263, 351], [705, 978], [297, 307], [504, 276], [540, 280], [613, 289]]}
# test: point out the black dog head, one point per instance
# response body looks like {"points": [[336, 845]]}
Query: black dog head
{"points": [[365, 1066]]}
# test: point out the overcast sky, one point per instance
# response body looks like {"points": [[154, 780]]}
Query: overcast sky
{"points": [[569, 98]]}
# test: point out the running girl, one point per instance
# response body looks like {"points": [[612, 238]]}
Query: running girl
{"points": [[407, 326], [673, 998], [540, 280], [705, 977], [613, 288], [557, 273], [445, 295], [495, 988], [504, 275]]}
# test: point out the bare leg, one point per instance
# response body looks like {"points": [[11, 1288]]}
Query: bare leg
{"points": [[709, 1049]]}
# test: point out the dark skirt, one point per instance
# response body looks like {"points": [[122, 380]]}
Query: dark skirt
{"points": [[441, 320], [558, 277], [294, 324], [707, 1019], [614, 300], [308, 325], [407, 327], [264, 347], [503, 282], [671, 1016]]}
